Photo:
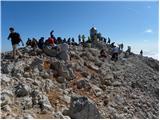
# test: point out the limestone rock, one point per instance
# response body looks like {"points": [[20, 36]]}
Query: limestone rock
{"points": [[81, 108]]}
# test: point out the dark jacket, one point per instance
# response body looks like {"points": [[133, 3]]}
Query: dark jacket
{"points": [[15, 38]]}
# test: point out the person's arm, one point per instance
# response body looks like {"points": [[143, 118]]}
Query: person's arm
{"points": [[21, 41], [9, 36]]}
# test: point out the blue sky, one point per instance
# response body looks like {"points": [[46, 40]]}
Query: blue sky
{"points": [[133, 23]]}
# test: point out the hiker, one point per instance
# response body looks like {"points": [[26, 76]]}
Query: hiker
{"points": [[115, 52], [15, 40], [99, 36], [34, 43], [53, 37], [141, 53], [89, 39], [129, 50], [122, 46], [109, 40], [104, 40], [69, 41], [103, 54], [59, 40], [112, 45], [50, 42], [64, 40], [93, 33], [28, 43], [72, 41], [79, 39], [41, 43], [83, 39]]}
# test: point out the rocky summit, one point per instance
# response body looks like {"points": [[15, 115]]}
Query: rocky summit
{"points": [[37, 86]]}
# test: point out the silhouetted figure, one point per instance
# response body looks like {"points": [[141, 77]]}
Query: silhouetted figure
{"points": [[51, 34], [69, 41], [104, 39], [15, 40], [109, 40], [112, 45], [59, 40], [129, 50], [83, 39], [50, 42], [89, 39], [72, 41], [41, 43], [79, 38], [64, 40], [93, 34], [141, 53], [28, 43], [122, 46], [53, 37]]}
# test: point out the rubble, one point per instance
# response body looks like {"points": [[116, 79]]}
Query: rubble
{"points": [[40, 86]]}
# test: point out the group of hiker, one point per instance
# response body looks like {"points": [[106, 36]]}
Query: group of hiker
{"points": [[54, 42]]}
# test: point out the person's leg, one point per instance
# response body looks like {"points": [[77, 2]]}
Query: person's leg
{"points": [[14, 50]]}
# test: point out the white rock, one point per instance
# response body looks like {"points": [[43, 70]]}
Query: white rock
{"points": [[67, 98], [97, 90], [5, 78]]}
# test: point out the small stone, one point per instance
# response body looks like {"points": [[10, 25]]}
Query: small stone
{"points": [[97, 90], [67, 98], [6, 108], [61, 80], [116, 83], [27, 116], [44, 75]]}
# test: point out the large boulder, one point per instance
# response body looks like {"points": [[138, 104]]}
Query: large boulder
{"points": [[81, 108], [64, 52]]}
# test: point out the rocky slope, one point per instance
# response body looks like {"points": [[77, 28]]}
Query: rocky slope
{"points": [[39, 86]]}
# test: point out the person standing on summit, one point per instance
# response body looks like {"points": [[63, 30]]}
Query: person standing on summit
{"points": [[53, 37], [15, 40]]}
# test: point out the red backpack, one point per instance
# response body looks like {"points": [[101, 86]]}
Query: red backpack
{"points": [[50, 40]]}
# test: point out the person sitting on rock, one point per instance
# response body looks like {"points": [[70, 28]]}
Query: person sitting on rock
{"points": [[41, 43], [112, 45], [50, 42], [28, 43], [59, 40], [115, 52], [34, 43]]}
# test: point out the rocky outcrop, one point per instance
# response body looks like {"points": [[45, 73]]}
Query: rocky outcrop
{"points": [[82, 87]]}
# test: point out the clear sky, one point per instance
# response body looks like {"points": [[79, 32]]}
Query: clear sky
{"points": [[132, 23]]}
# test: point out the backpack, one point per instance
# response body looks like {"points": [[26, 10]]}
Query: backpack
{"points": [[17, 38]]}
